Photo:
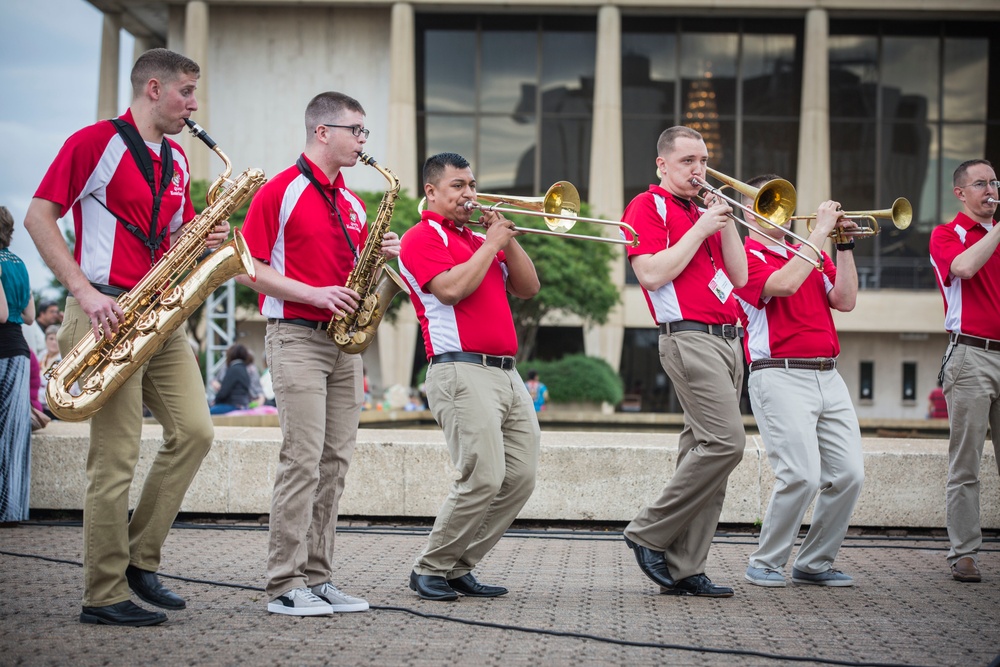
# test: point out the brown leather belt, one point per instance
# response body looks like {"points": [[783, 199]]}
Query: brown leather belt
{"points": [[721, 330], [987, 344], [505, 363], [800, 364], [297, 321]]}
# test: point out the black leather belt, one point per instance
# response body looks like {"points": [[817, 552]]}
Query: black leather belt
{"points": [[109, 290], [506, 363], [987, 344], [721, 330], [801, 364], [297, 321]]}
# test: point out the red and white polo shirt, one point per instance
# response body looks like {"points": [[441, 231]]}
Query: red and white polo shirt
{"points": [[481, 322], [95, 161], [799, 326], [291, 227], [661, 218], [971, 306]]}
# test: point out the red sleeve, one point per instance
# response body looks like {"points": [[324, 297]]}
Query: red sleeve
{"points": [[260, 228], [67, 176], [423, 252], [945, 246], [642, 215], [758, 271]]}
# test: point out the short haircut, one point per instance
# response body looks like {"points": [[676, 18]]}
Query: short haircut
{"points": [[6, 227], [45, 304], [52, 329], [665, 144], [161, 64], [327, 107], [961, 170], [435, 165]]}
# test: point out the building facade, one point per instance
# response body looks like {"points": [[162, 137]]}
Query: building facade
{"points": [[847, 100]]}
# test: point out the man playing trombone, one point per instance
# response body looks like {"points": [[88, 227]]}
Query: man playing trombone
{"points": [[802, 406], [687, 262], [459, 282]]}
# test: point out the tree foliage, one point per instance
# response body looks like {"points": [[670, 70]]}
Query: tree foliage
{"points": [[578, 378]]}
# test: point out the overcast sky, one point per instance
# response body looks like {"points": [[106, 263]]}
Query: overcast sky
{"points": [[49, 57]]}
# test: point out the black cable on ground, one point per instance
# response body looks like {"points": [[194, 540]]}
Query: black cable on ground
{"points": [[529, 630]]}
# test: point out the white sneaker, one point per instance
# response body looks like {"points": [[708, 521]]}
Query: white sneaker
{"points": [[337, 600], [299, 602]]}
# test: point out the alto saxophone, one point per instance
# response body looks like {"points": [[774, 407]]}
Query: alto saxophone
{"points": [[371, 277], [165, 297]]}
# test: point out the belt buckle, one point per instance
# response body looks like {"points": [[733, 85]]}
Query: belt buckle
{"points": [[824, 364], [729, 331]]}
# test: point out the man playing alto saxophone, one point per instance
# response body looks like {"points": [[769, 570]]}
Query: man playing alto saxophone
{"points": [[305, 230], [129, 189]]}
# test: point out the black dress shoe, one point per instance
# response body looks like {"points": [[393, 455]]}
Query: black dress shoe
{"points": [[652, 563], [123, 613], [430, 587], [699, 585], [467, 585], [149, 589]]}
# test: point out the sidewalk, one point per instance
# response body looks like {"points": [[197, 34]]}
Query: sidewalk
{"points": [[576, 598]]}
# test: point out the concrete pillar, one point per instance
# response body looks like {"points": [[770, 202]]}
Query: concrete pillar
{"points": [[107, 82], [812, 183], [607, 172], [175, 28], [401, 148], [196, 48]]}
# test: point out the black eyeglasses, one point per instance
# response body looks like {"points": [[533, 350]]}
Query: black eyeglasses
{"points": [[356, 130]]}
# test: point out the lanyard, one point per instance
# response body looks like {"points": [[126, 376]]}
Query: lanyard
{"points": [[303, 167]]}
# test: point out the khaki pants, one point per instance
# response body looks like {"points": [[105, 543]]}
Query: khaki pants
{"points": [[171, 386], [707, 374], [493, 437], [972, 389], [319, 393], [813, 440]]}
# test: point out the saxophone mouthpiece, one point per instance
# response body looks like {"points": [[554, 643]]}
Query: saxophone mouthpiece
{"points": [[198, 131], [366, 158]]}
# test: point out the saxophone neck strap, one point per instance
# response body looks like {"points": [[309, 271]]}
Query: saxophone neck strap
{"points": [[306, 171], [140, 154]]}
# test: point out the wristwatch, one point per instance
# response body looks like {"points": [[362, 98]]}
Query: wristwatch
{"points": [[846, 246]]}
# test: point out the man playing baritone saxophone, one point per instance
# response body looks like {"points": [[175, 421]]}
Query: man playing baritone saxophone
{"points": [[801, 403], [128, 187], [305, 230], [459, 282]]}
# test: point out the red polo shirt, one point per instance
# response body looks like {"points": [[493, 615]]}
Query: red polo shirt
{"points": [[291, 227], [481, 322], [799, 326], [95, 161], [660, 218], [971, 306]]}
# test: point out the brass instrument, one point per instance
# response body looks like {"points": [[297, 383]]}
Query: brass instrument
{"points": [[559, 206], [165, 297], [991, 200], [353, 332], [900, 213], [773, 204]]}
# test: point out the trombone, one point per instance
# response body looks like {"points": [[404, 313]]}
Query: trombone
{"points": [[900, 213], [559, 206], [773, 204]]}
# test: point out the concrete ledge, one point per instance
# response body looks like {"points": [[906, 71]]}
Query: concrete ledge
{"points": [[582, 476]]}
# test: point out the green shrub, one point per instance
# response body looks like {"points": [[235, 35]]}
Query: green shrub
{"points": [[576, 378]]}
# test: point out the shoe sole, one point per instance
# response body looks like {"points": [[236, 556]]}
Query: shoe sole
{"points": [[967, 579], [359, 606], [97, 620], [674, 591], [828, 584], [765, 582], [299, 611], [483, 595]]}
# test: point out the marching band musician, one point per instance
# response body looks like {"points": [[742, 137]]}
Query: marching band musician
{"points": [[128, 186], [802, 406], [688, 262], [967, 267], [459, 282], [305, 230]]}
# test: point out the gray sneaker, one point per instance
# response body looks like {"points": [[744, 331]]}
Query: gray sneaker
{"points": [[337, 600], [764, 576], [831, 577], [299, 602]]}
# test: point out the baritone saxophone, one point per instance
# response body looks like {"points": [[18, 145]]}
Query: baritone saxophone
{"points": [[165, 297], [374, 280]]}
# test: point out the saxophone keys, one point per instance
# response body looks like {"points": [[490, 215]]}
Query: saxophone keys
{"points": [[94, 382], [122, 352], [148, 322]]}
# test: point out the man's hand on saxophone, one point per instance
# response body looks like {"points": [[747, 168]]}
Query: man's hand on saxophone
{"points": [[103, 311], [390, 245]]}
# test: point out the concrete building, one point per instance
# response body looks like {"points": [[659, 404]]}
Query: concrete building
{"points": [[863, 102]]}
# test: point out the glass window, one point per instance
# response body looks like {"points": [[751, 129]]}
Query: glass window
{"points": [[908, 92], [708, 76], [866, 390], [909, 380], [494, 87], [772, 77], [966, 73], [853, 76]]}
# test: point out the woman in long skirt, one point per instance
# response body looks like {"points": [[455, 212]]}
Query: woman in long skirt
{"points": [[16, 307]]}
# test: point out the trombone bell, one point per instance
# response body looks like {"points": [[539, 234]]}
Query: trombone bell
{"points": [[562, 199], [774, 200]]}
